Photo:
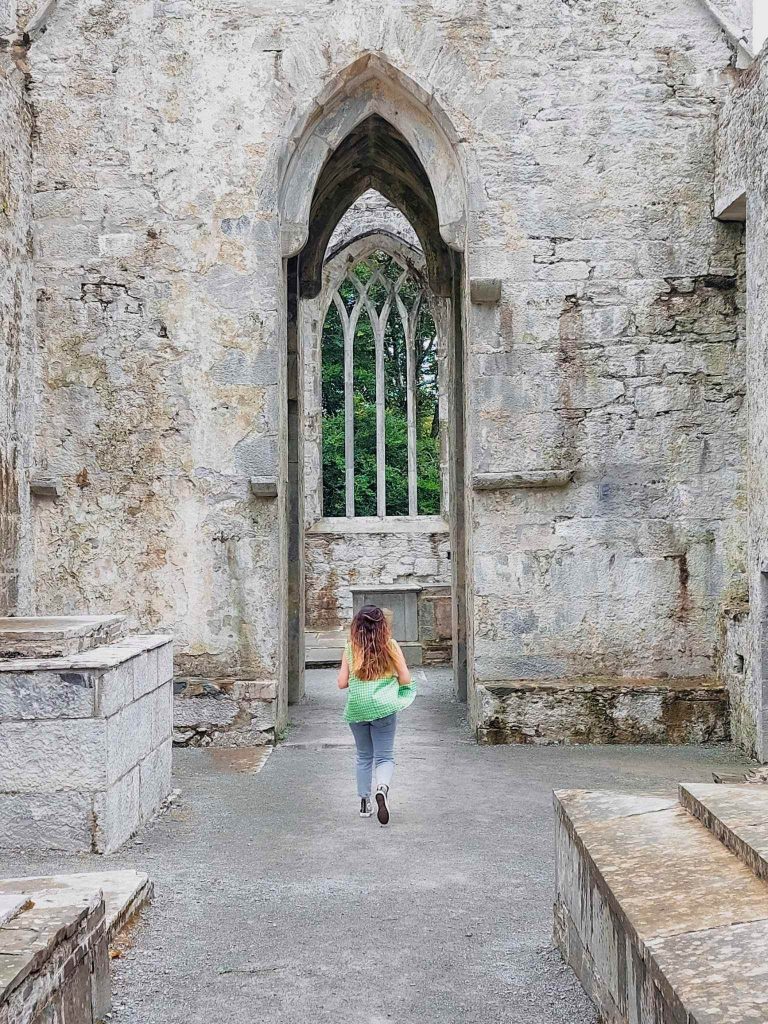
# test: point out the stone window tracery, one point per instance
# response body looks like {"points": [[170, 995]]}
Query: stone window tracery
{"points": [[380, 396]]}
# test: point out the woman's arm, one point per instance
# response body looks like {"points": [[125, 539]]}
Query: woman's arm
{"points": [[402, 671], [343, 680]]}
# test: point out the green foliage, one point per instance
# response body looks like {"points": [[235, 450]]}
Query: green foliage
{"points": [[364, 386]]}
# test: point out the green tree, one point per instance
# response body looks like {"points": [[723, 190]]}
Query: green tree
{"points": [[364, 385]]}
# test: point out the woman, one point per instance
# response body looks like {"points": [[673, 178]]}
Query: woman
{"points": [[374, 672]]}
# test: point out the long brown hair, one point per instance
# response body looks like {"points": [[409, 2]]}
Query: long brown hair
{"points": [[370, 644]]}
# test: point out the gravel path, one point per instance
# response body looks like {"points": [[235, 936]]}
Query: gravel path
{"points": [[274, 901]]}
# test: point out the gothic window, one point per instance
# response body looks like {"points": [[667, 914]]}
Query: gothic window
{"points": [[381, 449]]}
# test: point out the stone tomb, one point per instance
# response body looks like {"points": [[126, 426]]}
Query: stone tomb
{"points": [[85, 741]]}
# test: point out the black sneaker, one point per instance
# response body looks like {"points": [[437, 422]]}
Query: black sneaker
{"points": [[365, 807], [382, 804]]}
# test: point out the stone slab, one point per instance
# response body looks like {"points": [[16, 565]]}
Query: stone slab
{"points": [[51, 756], [54, 636], [666, 871], [104, 657], [736, 815], [659, 920], [718, 976], [36, 695], [11, 904], [55, 951], [602, 710], [125, 892]]}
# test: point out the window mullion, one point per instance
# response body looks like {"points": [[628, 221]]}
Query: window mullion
{"points": [[349, 326], [379, 322], [409, 335]]}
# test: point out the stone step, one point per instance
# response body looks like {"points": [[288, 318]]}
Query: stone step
{"points": [[736, 815], [603, 709], [659, 920], [125, 892]]}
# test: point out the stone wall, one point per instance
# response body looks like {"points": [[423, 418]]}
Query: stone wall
{"points": [[158, 310], [743, 168], [85, 745], [335, 561], [615, 350], [16, 327]]}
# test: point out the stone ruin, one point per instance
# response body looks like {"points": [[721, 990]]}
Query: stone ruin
{"points": [[86, 718], [577, 222], [586, 191]]}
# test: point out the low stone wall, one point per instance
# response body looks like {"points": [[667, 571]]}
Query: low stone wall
{"points": [[602, 710], [360, 552], [85, 745], [224, 712], [55, 964]]}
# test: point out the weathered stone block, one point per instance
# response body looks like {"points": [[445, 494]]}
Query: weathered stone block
{"points": [[145, 670], [658, 920], [129, 737], [162, 714], [602, 711], [216, 711], [57, 969], [164, 663], [155, 779], [254, 689], [36, 695], [117, 812], [115, 688], [50, 756], [46, 821]]}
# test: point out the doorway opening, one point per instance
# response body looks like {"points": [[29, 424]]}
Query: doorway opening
{"points": [[375, 500]]}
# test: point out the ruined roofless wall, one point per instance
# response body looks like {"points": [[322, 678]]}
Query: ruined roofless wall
{"points": [[743, 167], [16, 333], [615, 349]]}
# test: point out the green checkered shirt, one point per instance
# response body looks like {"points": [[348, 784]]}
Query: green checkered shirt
{"points": [[369, 699]]}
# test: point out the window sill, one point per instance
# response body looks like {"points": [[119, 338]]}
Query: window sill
{"points": [[373, 524]]}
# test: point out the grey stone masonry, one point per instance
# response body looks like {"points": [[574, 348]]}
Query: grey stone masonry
{"points": [[660, 922], [58, 636], [54, 961], [85, 745]]}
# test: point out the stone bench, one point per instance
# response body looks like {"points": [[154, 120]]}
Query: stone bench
{"points": [[598, 709]]}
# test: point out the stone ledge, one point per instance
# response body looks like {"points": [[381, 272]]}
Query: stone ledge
{"points": [[602, 710], [736, 815], [342, 526], [527, 479], [54, 960], [108, 656], [124, 892], [658, 920], [57, 636]]}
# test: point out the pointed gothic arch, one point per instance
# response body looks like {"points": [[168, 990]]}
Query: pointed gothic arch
{"points": [[370, 87], [372, 128]]}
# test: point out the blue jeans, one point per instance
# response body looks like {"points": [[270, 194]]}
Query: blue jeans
{"points": [[375, 743]]}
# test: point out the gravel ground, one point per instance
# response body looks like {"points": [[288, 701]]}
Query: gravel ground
{"points": [[275, 901]]}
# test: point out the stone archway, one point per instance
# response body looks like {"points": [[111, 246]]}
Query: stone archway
{"points": [[373, 130]]}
